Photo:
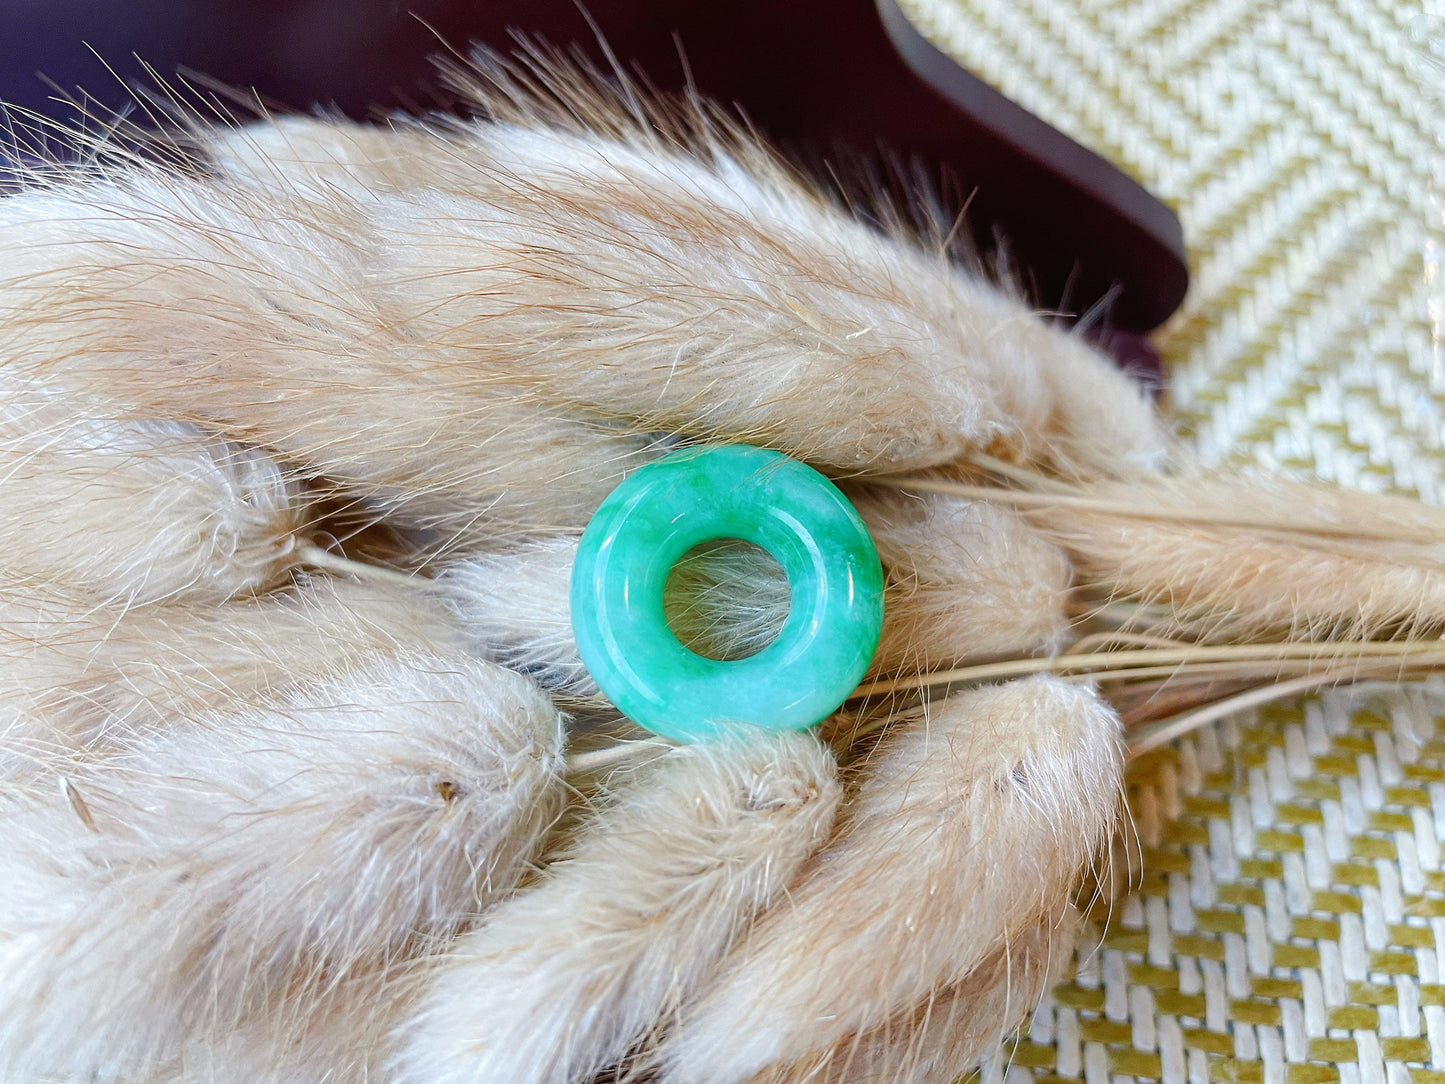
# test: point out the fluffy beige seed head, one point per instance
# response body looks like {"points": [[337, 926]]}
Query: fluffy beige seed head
{"points": [[82, 676], [242, 867], [972, 825], [965, 580], [953, 1029], [561, 981], [134, 511], [494, 338], [1279, 561]]}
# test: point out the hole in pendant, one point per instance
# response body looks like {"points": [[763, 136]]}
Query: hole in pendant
{"points": [[726, 599]]}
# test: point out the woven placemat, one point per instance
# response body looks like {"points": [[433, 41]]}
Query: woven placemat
{"points": [[1297, 142], [1289, 920]]}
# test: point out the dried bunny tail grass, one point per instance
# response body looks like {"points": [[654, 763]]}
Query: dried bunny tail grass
{"points": [[973, 824], [1171, 663], [562, 980], [135, 511], [260, 648], [243, 867], [345, 1039], [961, 1026], [91, 676], [516, 610], [270, 318], [964, 581], [955, 1028], [498, 337], [335, 155], [1039, 392], [1280, 557], [766, 315]]}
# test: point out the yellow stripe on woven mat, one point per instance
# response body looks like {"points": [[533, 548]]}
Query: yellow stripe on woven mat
{"points": [[1297, 143], [1290, 918], [1289, 921], [1290, 924]]}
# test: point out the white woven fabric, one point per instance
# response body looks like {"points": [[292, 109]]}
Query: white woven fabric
{"points": [[1290, 922], [1297, 142]]}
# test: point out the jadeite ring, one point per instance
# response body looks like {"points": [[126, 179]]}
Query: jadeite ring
{"points": [[698, 495]]}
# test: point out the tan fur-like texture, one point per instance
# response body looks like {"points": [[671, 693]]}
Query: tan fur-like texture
{"points": [[271, 307], [965, 580], [562, 980], [135, 511], [265, 829], [1300, 579], [340, 1039], [514, 607], [971, 826], [94, 675], [242, 867], [1060, 387], [500, 336], [954, 1029], [306, 154]]}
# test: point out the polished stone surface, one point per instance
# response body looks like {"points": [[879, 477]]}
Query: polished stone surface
{"points": [[698, 495]]}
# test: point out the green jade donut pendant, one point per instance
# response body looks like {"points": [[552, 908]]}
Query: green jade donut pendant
{"points": [[698, 495]]}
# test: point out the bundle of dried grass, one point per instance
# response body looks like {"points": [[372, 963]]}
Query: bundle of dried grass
{"points": [[273, 826], [1209, 594]]}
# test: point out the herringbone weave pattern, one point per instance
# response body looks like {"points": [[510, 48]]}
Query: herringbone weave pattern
{"points": [[1290, 923], [1297, 142]]}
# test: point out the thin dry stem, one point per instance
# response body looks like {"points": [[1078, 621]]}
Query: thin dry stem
{"points": [[310, 554], [1055, 497], [1147, 739], [1102, 664]]}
